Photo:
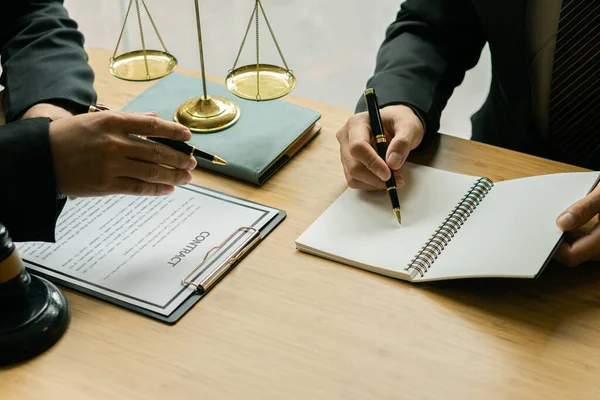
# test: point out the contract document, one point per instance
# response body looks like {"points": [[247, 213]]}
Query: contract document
{"points": [[136, 250]]}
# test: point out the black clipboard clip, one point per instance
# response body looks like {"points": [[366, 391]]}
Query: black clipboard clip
{"points": [[221, 269]]}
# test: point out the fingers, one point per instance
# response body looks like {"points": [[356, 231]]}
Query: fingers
{"points": [[357, 174], [361, 150], [407, 137], [145, 125], [156, 153], [136, 187], [153, 173], [584, 248], [580, 212], [150, 113], [359, 177]]}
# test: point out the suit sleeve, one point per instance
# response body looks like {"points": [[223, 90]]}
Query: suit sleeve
{"points": [[425, 55], [28, 205], [43, 58]]}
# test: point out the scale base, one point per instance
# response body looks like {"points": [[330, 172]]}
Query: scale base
{"points": [[274, 82], [32, 323], [206, 115], [132, 67]]}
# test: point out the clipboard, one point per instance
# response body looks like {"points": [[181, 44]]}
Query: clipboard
{"points": [[236, 249]]}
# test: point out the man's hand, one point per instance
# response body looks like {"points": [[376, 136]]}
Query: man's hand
{"points": [[46, 110], [363, 167], [94, 155], [580, 246]]}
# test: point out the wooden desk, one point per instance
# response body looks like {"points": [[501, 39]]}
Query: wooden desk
{"points": [[286, 325]]}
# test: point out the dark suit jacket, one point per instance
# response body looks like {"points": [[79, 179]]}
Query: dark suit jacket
{"points": [[43, 60], [431, 45]]}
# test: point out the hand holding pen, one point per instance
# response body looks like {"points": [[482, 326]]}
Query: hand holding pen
{"points": [[363, 168], [174, 144], [94, 154]]}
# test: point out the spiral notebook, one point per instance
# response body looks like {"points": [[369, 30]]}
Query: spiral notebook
{"points": [[453, 225]]}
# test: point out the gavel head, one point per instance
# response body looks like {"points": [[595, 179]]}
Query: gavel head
{"points": [[34, 313]]}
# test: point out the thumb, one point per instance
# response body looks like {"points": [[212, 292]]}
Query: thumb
{"points": [[406, 138], [579, 213]]}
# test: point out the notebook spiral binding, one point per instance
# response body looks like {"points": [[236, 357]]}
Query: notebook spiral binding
{"points": [[446, 231]]}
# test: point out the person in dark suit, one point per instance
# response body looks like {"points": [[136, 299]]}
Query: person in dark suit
{"points": [[544, 96], [50, 146]]}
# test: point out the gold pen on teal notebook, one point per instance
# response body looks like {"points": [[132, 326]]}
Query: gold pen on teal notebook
{"points": [[378, 132]]}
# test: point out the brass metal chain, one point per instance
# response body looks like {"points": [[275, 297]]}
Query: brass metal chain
{"points": [[123, 28], [255, 16], [244, 40], [154, 26], [137, 8], [272, 35]]}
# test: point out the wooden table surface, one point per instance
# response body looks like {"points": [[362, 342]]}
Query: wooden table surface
{"points": [[287, 325]]}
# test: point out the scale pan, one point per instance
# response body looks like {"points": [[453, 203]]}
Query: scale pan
{"points": [[132, 67], [275, 82]]}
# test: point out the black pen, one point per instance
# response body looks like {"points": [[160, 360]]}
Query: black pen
{"points": [[174, 144], [377, 129]]}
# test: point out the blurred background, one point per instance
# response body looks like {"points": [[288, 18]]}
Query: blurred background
{"points": [[330, 45]]}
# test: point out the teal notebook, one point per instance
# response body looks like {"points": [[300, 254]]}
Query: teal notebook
{"points": [[265, 137]]}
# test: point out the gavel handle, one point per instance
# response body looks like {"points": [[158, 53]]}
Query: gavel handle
{"points": [[14, 279]]}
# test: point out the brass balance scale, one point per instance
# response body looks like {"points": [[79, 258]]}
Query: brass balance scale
{"points": [[205, 113]]}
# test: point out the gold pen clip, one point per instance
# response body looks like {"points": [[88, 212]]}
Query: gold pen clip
{"points": [[239, 252], [98, 107]]}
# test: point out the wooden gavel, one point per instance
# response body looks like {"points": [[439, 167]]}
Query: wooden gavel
{"points": [[34, 313]]}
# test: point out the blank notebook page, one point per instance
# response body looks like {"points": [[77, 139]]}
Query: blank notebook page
{"points": [[360, 228], [513, 230]]}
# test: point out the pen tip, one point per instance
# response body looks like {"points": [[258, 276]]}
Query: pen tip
{"points": [[398, 215], [219, 160]]}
